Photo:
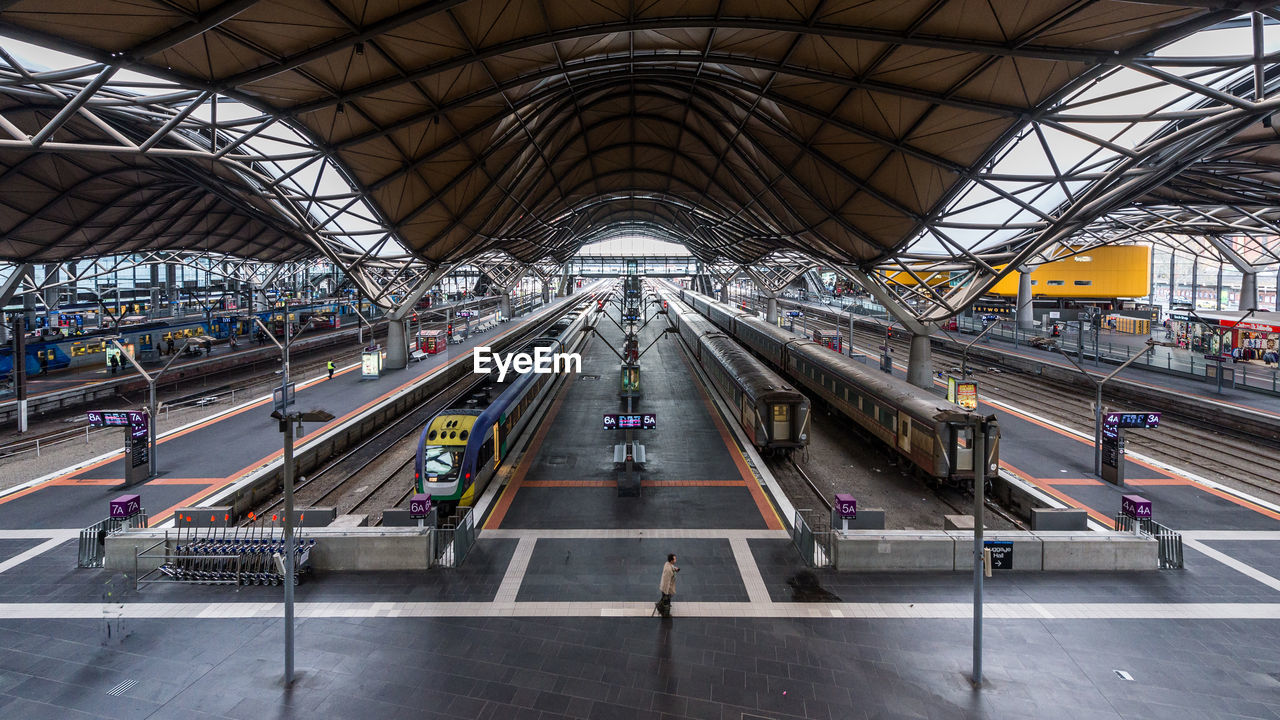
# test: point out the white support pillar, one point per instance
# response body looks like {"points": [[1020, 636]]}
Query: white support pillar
{"points": [[920, 363], [724, 293], [398, 322], [1025, 316], [504, 304], [771, 310]]}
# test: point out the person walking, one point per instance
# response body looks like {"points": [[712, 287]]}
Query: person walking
{"points": [[170, 343], [330, 366], [115, 363], [667, 585]]}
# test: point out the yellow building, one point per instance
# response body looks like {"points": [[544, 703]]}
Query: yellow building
{"points": [[1111, 271]]}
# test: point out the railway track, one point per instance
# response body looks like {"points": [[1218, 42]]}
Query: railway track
{"points": [[376, 474]]}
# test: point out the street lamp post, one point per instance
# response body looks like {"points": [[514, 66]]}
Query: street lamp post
{"points": [[1097, 408], [284, 351]]}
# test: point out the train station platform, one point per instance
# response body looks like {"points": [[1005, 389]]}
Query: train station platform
{"points": [[1169, 369], [550, 616], [199, 459]]}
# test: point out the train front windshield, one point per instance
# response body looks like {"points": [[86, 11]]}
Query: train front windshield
{"points": [[441, 463]]}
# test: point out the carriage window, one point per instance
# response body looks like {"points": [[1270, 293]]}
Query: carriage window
{"points": [[781, 413]]}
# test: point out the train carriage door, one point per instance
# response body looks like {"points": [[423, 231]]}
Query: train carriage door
{"points": [[904, 433], [782, 422], [497, 445]]}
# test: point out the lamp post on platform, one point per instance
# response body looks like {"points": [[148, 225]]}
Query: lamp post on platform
{"points": [[1097, 405], [287, 423], [152, 405]]}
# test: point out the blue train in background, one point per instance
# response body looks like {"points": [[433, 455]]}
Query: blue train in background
{"points": [[53, 350]]}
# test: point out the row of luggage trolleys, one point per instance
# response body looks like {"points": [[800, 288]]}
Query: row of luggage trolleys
{"points": [[226, 556]]}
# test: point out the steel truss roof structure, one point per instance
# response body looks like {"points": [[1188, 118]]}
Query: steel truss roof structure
{"points": [[924, 147]]}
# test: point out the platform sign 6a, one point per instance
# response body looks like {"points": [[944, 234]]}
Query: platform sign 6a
{"points": [[1135, 506], [420, 506], [846, 505], [1132, 419]]}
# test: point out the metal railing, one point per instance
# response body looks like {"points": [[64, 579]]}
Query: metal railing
{"points": [[1169, 542], [816, 548], [1175, 360], [454, 539], [93, 539]]}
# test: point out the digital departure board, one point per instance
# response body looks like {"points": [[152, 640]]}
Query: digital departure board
{"points": [[1132, 419], [630, 421]]}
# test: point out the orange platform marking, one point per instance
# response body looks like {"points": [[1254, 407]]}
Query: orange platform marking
{"points": [[1067, 499], [500, 508], [767, 511], [1069, 481], [1159, 481]]}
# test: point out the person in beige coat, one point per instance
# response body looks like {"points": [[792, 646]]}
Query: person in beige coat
{"points": [[668, 585]]}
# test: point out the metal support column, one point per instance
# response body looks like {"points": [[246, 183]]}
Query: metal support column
{"points": [[1195, 282], [1025, 316], [979, 500], [920, 363], [1173, 278], [1217, 297], [771, 310], [1248, 290]]}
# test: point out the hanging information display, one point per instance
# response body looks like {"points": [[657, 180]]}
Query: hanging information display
{"points": [[630, 421]]}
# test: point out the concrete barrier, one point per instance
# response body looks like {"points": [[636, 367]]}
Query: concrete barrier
{"points": [[902, 550], [1064, 550], [1059, 519], [867, 519], [337, 549], [894, 550]]}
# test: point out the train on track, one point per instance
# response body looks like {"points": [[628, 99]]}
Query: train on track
{"points": [[55, 351], [460, 449], [934, 435], [774, 414]]}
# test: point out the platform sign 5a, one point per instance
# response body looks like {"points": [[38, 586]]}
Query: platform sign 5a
{"points": [[125, 506], [846, 505], [1135, 506]]}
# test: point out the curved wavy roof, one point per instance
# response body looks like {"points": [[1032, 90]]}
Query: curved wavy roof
{"points": [[838, 127]]}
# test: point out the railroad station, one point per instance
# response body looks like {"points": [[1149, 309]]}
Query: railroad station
{"points": [[713, 360]]}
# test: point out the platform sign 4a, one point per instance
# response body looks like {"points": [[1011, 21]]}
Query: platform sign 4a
{"points": [[1113, 426], [1135, 506], [1132, 419]]}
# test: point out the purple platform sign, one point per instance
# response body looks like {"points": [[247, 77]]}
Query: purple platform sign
{"points": [[126, 506], [419, 506], [846, 505], [1135, 506]]}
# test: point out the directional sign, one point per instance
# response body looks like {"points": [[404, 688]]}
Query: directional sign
{"points": [[1132, 419], [1001, 553]]}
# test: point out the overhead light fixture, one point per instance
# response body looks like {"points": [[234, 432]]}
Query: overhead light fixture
{"points": [[341, 109], [359, 48]]}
